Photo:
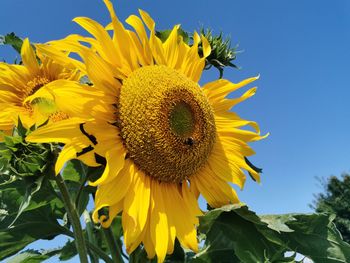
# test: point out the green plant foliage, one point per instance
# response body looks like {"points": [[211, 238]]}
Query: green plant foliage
{"points": [[70, 172], [32, 225], [12, 40], [336, 200], [33, 256], [278, 222], [29, 211], [249, 244], [139, 256], [317, 237], [222, 54], [235, 234], [76, 174], [68, 251], [164, 34], [25, 159]]}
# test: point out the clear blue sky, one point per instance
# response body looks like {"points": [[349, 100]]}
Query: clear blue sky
{"points": [[300, 48]]}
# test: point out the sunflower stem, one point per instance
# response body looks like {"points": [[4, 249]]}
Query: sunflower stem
{"points": [[73, 218], [90, 235], [93, 247], [114, 248]]}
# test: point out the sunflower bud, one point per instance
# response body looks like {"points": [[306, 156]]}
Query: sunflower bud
{"points": [[22, 158], [221, 55]]}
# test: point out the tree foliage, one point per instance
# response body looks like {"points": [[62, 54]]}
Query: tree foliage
{"points": [[336, 200]]}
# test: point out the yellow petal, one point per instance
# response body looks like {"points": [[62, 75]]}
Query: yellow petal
{"points": [[136, 207], [147, 19], [147, 241], [190, 199], [219, 89], [68, 96], [206, 46], [226, 170], [159, 223], [29, 58], [115, 158], [122, 40], [216, 191], [107, 50], [171, 48], [221, 107], [113, 211], [53, 52], [8, 115], [63, 131], [102, 74], [177, 211], [144, 52], [117, 188], [245, 135]]}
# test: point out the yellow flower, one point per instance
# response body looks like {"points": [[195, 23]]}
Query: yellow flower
{"points": [[19, 82], [166, 140]]}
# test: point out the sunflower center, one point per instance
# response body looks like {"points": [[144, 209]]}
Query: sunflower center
{"points": [[166, 123], [181, 119], [46, 107], [35, 84]]}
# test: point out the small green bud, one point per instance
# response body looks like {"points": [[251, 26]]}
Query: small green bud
{"points": [[222, 54]]}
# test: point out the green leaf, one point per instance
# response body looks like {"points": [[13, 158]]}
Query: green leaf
{"points": [[39, 193], [12, 40], [71, 171], [20, 129], [38, 214], [278, 222], [33, 256], [316, 237], [235, 234], [68, 251], [30, 226], [178, 254], [140, 256], [31, 188], [232, 235], [11, 141]]}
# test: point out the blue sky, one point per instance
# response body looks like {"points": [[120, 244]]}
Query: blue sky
{"points": [[299, 48]]}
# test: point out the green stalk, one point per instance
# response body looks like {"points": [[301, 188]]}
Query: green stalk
{"points": [[93, 248], [113, 245], [73, 218], [100, 252], [90, 235]]}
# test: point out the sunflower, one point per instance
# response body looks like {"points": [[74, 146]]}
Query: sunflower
{"points": [[19, 82], [165, 139]]}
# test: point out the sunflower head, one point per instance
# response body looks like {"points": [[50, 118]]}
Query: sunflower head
{"points": [[166, 123], [165, 139], [18, 83]]}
